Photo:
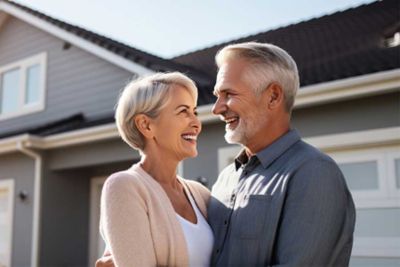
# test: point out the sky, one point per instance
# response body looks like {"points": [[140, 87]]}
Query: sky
{"points": [[169, 28]]}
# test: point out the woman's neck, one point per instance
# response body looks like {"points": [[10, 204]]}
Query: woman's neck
{"points": [[163, 170]]}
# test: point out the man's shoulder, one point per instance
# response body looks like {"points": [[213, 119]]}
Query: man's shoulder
{"points": [[307, 153]]}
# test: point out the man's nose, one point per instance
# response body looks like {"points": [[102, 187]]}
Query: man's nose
{"points": [[219, 106]]}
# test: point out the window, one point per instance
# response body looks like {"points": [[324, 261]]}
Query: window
{"points": [[372, 176], [22, 86]]}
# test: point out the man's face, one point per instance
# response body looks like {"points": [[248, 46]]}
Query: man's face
{"points": [[243, 112]]}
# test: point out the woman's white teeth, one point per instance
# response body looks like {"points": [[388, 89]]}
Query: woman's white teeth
{"points": [[189, 137]]}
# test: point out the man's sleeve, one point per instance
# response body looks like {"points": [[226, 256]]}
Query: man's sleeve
{"points": [[317, 218]]}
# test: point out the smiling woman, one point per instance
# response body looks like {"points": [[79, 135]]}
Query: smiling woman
{"points": [[149, 215]]}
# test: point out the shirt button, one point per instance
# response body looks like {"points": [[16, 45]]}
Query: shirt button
{"points": [[225, 222], [217, 251]]}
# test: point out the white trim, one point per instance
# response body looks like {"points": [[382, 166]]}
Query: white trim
{"points": [[20, 146], [376, 247], [23, 65], [10, 185], [94, 233], [225, 154], [393, 186], [75, 40], [364, 85], [359, 139], [206, 115]]}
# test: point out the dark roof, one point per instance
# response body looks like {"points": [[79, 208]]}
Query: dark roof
{"points": [[145, 59], [74, 122], [344, 44]]}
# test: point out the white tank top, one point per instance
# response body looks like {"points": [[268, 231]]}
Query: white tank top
{"points": [[199, 238]]}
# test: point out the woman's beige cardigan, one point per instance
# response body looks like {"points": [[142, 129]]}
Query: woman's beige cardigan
{"points": [[139, 223]]}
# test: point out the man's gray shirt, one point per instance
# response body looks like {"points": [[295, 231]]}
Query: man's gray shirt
{"points": [[288, 205]]}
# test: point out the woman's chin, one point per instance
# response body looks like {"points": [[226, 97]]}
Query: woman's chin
{"points": [[188, 155]]}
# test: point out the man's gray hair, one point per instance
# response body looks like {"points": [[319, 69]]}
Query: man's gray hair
{"points": [[147, 95], [269, 63]]}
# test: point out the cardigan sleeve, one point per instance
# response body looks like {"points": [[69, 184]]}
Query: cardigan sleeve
{"points": [[124, 222]]}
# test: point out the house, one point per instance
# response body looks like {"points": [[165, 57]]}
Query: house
{"points": [[58, 141]]}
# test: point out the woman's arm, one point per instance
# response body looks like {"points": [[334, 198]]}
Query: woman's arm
{"points": [[125, 223]]}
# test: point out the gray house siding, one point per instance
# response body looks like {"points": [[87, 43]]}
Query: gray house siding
{"points": [[20, 168], [77, 81], [92, 154], [66, 209], [379, 111], [64, 223]]}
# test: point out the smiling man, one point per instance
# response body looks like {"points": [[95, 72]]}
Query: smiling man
{"points": [[282, 202]]}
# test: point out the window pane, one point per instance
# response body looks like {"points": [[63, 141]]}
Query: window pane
{"points": [[378, 222], [10, 91], [397, 166], [361, 175], [32, 84]]}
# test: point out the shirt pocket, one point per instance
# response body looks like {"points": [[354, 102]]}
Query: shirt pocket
{"points": [[253, 216]]}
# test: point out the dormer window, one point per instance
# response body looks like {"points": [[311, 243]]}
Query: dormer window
{"points": [[22, 87]]}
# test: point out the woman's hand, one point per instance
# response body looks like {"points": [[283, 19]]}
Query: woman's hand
{"points": [[105, 261]]}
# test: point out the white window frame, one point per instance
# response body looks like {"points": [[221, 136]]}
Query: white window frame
{"points": [[23, 66], [225, 154], [94, 234], [387, 195], [9, 183], [391, 157]]}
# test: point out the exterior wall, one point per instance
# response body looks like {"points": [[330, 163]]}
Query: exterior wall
{"points": [[20, 168], [373, 112], [66, 204], [77, 81], [91, 154], [64, 219]]}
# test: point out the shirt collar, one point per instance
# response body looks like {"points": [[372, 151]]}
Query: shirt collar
{"points": [[267, 155]]}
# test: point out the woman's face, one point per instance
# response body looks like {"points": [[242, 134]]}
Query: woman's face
{"points": [[177, 126]]}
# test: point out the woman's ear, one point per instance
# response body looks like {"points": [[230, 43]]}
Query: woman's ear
{"points": [[142, 122], [274, 95]]}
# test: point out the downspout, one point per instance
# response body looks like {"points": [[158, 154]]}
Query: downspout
{"points": [[36, 201]]}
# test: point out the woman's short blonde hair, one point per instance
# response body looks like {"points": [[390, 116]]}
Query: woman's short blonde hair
{"points": [[147, 95]]}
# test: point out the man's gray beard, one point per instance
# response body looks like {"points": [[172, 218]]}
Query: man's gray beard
{"points": [[236, 136]]}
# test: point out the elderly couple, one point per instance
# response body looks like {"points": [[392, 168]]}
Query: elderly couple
{"points": [[281, 203]]}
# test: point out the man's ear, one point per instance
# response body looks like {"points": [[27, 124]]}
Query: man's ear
{"points": [[142, 122], [274, 95]]}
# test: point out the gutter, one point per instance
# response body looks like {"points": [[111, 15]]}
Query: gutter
{"points": [[21, 146]]}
